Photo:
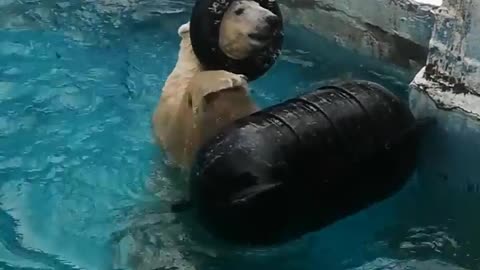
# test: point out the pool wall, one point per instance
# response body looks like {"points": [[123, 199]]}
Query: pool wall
{"points": [[447, 89], [439, 44], [451, 77], [397, 31]]}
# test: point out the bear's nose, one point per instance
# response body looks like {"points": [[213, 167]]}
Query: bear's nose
{"points": [[273, 21]]}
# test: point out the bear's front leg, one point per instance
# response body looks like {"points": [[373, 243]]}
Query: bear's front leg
{"points": [[216, 80]]}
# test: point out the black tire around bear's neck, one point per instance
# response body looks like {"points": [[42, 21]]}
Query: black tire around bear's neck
{"points": [[204, 33]]}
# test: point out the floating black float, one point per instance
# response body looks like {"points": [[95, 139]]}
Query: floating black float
{"points": [[303, 164], [204, 33]]}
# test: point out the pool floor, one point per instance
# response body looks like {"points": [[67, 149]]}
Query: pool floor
{"points": [[82, 185]]}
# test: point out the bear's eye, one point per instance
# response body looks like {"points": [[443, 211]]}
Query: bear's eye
{"points": [[239, 11]]}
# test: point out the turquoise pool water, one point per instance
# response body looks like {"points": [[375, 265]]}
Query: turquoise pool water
{"points": [[82, 186]]}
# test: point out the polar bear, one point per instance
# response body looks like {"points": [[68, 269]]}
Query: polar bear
{"points": [[195, 104]]}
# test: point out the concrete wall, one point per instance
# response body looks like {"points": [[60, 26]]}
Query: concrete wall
{"points": [[455, 46], [451, 77], [447, 89], [397, 31], [444, 40]]}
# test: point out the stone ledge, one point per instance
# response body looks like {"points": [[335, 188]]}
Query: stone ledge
{"points": [[444, 96]]}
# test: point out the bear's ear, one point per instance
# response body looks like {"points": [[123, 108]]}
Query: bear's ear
{"points": [[183, 29]]}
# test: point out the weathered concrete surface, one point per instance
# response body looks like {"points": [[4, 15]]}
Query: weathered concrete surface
{"points": [[455, 47], [397, 31], [451, 77], [443, 95]]}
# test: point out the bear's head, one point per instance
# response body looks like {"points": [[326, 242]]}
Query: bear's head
{"points": [[245, 28]]}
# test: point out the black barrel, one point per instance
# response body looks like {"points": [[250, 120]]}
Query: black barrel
{"points": [[300, 165]]}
